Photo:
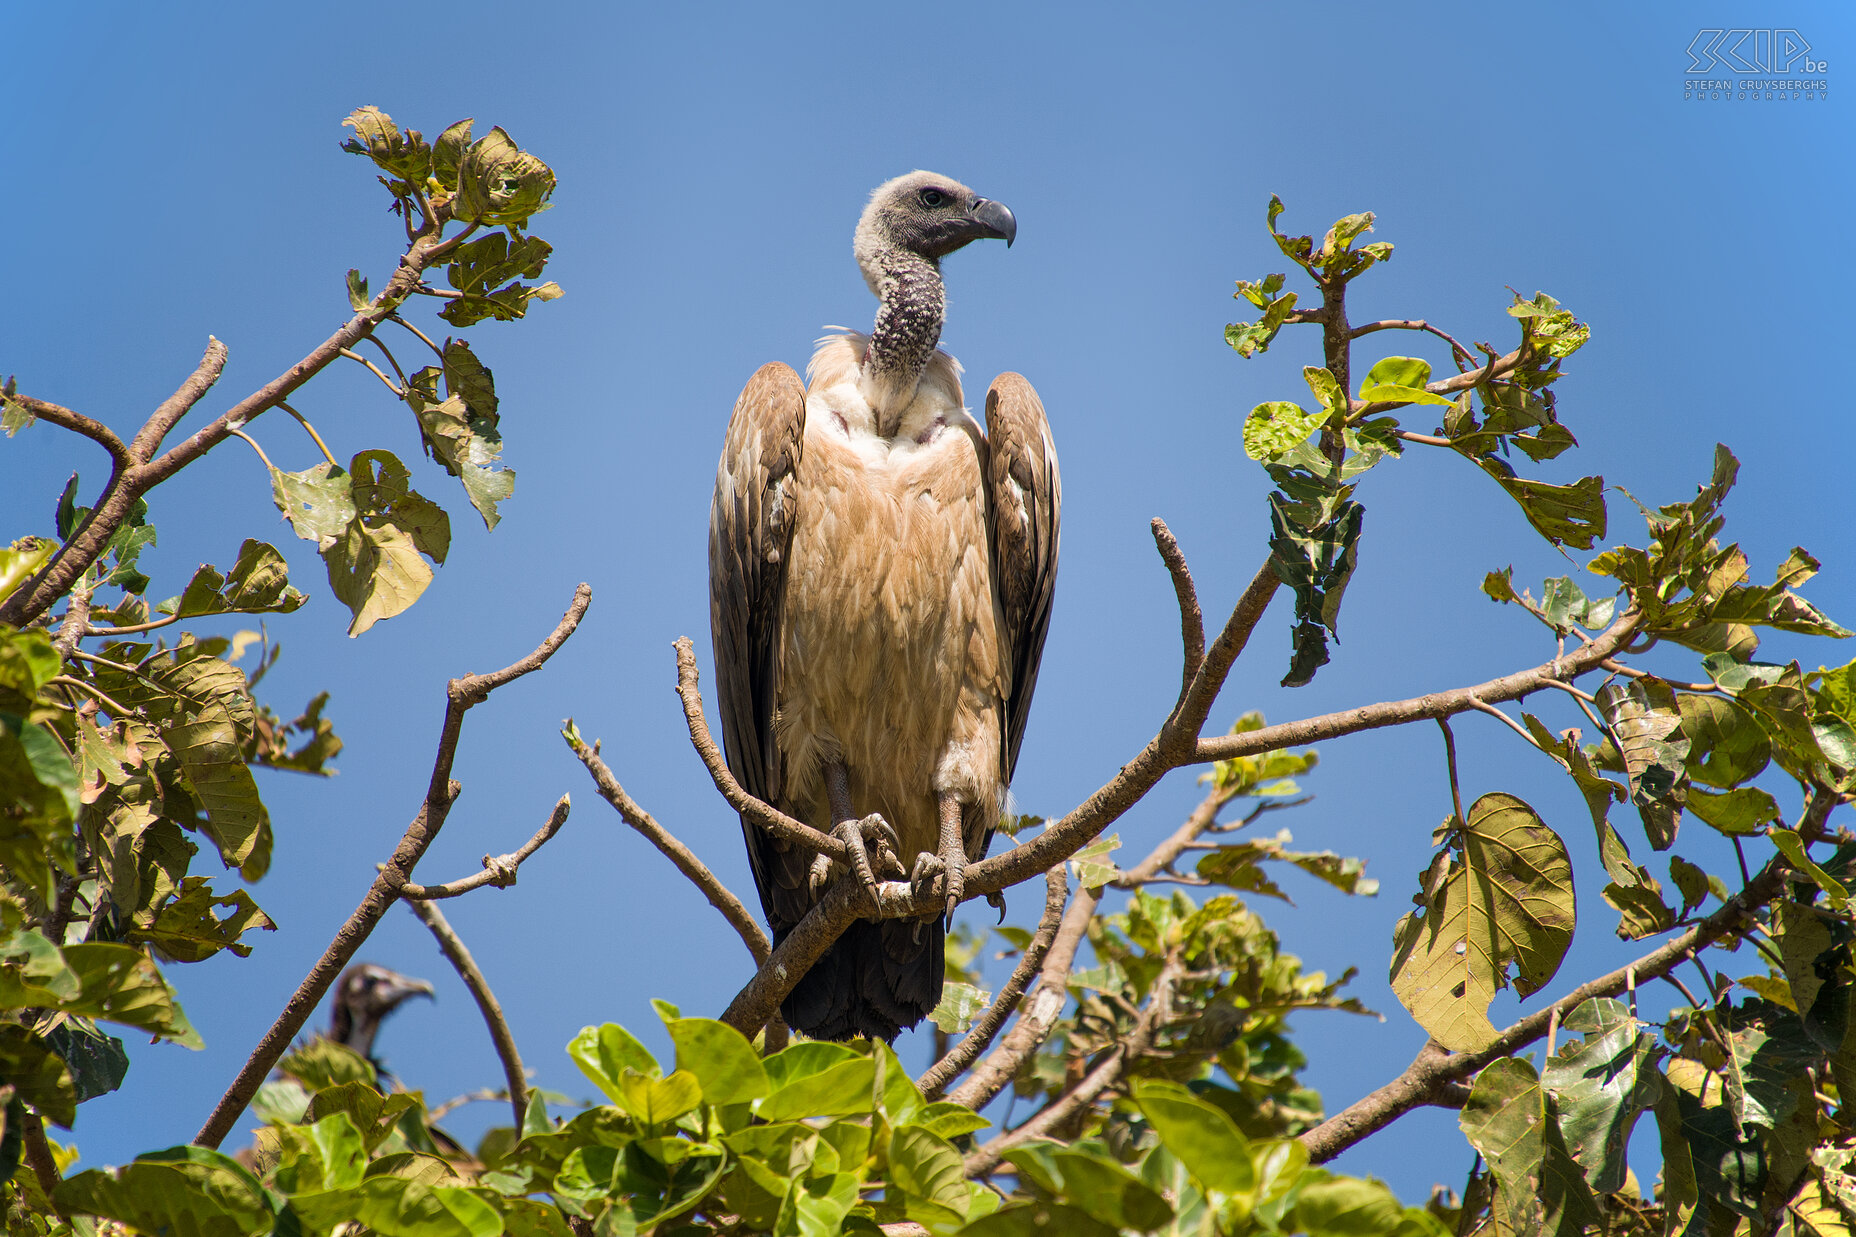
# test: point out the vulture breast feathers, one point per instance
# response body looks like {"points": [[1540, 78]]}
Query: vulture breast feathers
{"points": [[880, 580]]}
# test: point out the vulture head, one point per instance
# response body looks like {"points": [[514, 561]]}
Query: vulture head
{"points": [[928, 215], [364, 996]]}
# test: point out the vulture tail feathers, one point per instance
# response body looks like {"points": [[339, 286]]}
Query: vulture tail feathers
{"points": [[874, 981]]}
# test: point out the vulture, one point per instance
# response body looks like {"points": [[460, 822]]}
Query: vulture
{"points": [[880, 579], [364, 995]]}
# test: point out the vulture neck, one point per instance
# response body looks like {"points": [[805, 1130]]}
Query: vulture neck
{"points": [[908, 326]]}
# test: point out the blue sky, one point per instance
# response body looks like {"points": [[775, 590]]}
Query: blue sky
{"points": [[174, 173]]}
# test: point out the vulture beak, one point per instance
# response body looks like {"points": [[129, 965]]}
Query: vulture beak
{"points": [[400, 988], [994, 219]]}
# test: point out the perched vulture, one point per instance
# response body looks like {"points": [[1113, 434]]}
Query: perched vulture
{"points": [[364, 995], [880, 577]]}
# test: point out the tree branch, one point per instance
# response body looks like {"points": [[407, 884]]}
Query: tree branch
{"points": [[174, 407], [980, 1036], [759, 1002], [1410, 324], [1037, 1018], [460, 695], [77, 423], [499, 871], [1191, 617], [763, 815], [466, 966], [720, 897], [142, 472], [1419, 708], [1426, 1079]]}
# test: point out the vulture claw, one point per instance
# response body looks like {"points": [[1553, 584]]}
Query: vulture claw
{"points": [[855, 834], [996, 900]]}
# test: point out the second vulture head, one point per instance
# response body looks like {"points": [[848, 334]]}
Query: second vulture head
{"points": [[929, 215]]}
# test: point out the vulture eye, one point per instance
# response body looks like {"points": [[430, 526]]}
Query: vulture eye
{"points": [[933, 197]]}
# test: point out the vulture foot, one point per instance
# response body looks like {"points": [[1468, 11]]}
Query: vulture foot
{"points": [[953, 855], [996, 900], [858, 837]]}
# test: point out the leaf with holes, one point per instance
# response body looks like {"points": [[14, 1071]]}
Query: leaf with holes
{"points": [[1504, 899], [1646, 721]]}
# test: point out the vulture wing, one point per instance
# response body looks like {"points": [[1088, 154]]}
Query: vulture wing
{"points": [[1025, 501], [751, 522]]}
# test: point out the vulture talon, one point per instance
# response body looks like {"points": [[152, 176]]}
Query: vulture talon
{"points": [[996, 900], [953, 855], [854, 834]]}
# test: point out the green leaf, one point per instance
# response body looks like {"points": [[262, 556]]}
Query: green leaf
{"points": [[259, 584], [844, 1087], [1793, 848], [396, 1207], [33, 972], [1400, 379], [404, 155], [1511, 1121], [1104, 1189], [1646, 723], [930, 1174], [720, 1058], [653, 1100], [1600, 1086], [500, 184], [358, 298], [375, 566], [318, 502], [1641, 907], [1564, 514], [1734, 812], [22, 560], [1315, 561], [97, 1061], [322, 1063], [374, 1115], [1327, 390], [1204, 1138], [1277, 426], [37, 1074], [189, 929], [1092, 866], [960, 1004], [1726, 744], [1346, 1207], [180, 1192], [1690, 880], [461, 430], [1506, 899], [604, 1053], [120, 984]]}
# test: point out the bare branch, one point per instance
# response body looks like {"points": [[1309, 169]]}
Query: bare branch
{"points": [[466, 967], [77, 423], [757, 1004], [980, 1036], [499, 871], [1424, 1080], [144, 471], [76, 624], [763, 815], [440, 794], [720, 897], [1156, 1014], [1191, 617], [1418, 708], [174, 407], [1037, 1018], [1411, 324]]}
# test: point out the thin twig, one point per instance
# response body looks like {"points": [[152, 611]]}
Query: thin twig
{"points": [[387, 353], [392, 386], [500, 870], [719, 895], [304, 422], [1456, 796], [466, 967], [1411, 324], [168, 415], [460, 695], [763, 815], [986, 1026], [421, 334], [239, 433], [77, 423], [134, 628], [1191, 617]]}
